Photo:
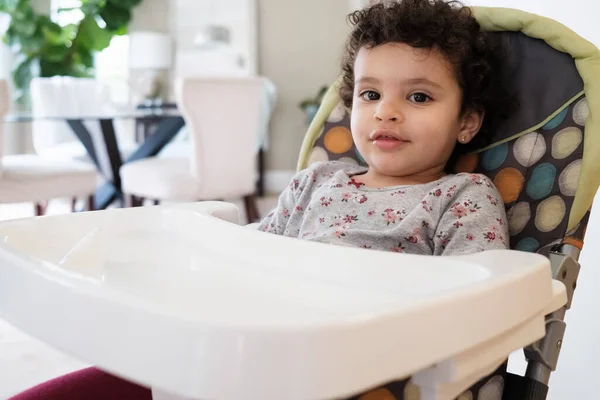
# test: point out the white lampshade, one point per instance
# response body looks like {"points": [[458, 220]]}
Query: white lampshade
{"points": [[150, 50]]}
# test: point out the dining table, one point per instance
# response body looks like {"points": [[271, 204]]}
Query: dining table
{"points": [[104, 152]]}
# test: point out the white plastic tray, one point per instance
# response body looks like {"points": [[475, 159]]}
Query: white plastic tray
{"points": [[182, 299]]}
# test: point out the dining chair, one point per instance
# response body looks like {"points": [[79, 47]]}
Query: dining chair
{"points": [[69, 96], [223, 117], [37, 179]]}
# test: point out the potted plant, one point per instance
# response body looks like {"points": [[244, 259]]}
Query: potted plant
{"points": [[43, 48], [310, 106]]}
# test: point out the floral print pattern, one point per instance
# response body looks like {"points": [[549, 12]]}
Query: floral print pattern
{"points": [[457, 214]]}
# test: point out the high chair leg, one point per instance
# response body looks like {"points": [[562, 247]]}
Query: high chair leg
{"points": [[543, 355]]}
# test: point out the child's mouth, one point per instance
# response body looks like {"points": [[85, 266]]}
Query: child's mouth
{"points": [[388, 143]]}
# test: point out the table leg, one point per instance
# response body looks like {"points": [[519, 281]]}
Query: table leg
{"points": [[260, 185], [110, 191], [113, 152], [164, 133], [85, 138]]}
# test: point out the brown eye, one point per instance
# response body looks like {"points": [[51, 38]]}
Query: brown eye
{"points": [[370, 95], [419, 97]]}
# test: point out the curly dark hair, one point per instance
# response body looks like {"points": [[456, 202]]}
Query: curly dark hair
{"points": [[447, 26]]}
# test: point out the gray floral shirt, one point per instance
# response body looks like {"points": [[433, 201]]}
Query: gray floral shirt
{"points": [[457, 214]]}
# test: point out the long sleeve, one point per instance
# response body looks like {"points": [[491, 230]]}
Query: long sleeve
{"points": [[277, 220], [474, 220]]}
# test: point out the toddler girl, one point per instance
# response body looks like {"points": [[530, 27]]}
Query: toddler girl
{"points": [[421, 81]]}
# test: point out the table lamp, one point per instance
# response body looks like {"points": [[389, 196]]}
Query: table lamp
{"points": [[151, 54]]}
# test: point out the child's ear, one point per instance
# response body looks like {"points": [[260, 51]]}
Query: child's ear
{"points": [[470, 124]]}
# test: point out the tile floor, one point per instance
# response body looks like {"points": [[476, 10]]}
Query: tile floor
{"points": [[25, 361]]}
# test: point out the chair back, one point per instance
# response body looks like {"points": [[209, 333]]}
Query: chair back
{"points": [[63, 96], [223, 116]]}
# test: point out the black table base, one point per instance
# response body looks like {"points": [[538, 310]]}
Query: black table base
{"points": [[111, 191]]}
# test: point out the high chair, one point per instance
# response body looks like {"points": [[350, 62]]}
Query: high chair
{"points": [[181, 300]]}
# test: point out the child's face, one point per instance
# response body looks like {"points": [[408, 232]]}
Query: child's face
{"points": [[406, 112]]}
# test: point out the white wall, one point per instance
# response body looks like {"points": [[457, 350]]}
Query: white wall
{"points": [[579, 15], [300, 46], [190, 17]]}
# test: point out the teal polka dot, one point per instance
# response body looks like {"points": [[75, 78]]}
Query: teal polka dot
{"points": [[494, 158], [541, 181], [529, 245], [556, 121]]}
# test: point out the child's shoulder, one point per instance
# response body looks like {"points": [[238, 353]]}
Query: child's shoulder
{"points": [[324, 170], [468, 179], [469, 182]]}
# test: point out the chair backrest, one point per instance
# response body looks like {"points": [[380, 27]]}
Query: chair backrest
{"points": [[223, 117], [64, 96], [537, 160]]}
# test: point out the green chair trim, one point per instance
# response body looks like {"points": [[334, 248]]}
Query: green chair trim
{"points": [[535, 127], [329, 102]]}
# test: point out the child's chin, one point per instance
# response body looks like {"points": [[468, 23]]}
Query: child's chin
{"points": [[392, 170]]}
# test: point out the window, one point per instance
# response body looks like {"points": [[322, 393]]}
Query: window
{"points": [[112, 64], [66, 17]]}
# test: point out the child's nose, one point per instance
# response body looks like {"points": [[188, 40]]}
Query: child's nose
{"points": [[388, 111]]}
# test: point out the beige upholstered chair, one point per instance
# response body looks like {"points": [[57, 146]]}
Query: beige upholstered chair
{"points": [[37, 179], [223, 117], [77, 96]]}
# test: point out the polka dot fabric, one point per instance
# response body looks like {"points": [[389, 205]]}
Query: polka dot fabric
{"points": [[537, 173], [335, 141], [490, 388]]}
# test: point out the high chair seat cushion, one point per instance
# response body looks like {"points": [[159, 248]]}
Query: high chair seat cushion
{"points": [[28, 177], [585, 56]]}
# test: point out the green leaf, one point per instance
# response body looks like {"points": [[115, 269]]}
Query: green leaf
{"points": [[99, 3], [128, 4], [121, 31], [64, 35], [32, 44], [49, 68], [67, 9], [55, 53], [23, 72], [91, 36], [43, 48], [50, 30], [115, 17], [23, 8], [84, 57], [11, 38], [24, 27]]}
